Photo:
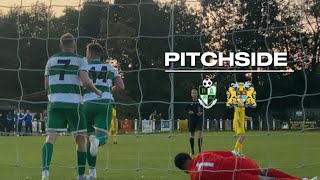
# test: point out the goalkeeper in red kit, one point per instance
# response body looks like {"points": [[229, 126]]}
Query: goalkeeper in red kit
{"points": [[223, 165]]}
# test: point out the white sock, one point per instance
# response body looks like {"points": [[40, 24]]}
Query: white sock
{"points": [[92, 171], [45, 173], [97, 141]]}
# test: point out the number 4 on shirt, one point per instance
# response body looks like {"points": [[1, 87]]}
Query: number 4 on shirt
{"points": [[101, 74]]}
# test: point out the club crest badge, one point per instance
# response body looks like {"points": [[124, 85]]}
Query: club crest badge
{"points": [[241, 95], [207, 94]]}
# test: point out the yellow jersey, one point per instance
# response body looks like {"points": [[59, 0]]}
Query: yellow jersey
{"points": [[113, 120]]}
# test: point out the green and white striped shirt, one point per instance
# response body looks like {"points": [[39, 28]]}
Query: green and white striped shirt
{"points": [[65, 86], [101, 74]]}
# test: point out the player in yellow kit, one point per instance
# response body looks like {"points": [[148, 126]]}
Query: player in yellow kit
{"points": [[240, 95], [114, 128], [239, 128]]}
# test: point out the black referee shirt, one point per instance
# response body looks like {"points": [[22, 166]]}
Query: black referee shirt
{"points": [[195, 107]]}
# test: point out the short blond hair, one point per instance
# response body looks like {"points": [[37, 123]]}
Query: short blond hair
{"points": [[67, 41], [96, 49]]}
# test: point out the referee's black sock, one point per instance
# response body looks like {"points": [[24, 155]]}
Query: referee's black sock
{"points": [[191, 140], [200, 140]]}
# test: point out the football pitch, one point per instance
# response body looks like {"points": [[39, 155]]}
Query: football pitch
{"points": [[150, 157]]}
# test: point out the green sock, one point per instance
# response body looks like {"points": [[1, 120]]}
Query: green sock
{"points": [[81, 162], [91, 160], [47, 149]]}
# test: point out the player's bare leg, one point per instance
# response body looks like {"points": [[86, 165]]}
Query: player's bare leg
{"points": [[47, 150]]}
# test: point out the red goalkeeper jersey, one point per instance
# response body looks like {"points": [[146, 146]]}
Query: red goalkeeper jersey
{"points": [[222, 165]]}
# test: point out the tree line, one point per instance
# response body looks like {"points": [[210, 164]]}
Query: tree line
{"points": [[136, 34]]}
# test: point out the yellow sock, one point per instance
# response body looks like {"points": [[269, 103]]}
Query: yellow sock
{"points": [[238, 147], [114, 138]]}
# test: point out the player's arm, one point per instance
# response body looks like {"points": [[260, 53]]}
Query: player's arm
{"points": [[117, 81], [222, 175], [199, 113], [247, 118], [188, 110], [249, 176], [84, 77], [46, 82], [226, 176], [275, 173], [88, 83], [46, 74], [118, 84], [257, 177]]}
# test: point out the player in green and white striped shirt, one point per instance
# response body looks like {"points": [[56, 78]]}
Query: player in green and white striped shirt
{"points": [[98, 110], [65, 74]]}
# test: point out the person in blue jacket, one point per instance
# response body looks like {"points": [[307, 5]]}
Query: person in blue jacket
{"points": [[28, 121], [20, 120]]}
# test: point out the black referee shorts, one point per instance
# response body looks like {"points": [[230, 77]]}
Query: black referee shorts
{"points": [[195, 125]]}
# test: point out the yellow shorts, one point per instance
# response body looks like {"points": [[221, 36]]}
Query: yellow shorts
{"points": [[113, 126], [239, 120]]}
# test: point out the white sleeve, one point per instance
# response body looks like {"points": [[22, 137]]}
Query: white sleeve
{"points": [[84, 65], [46, 71]]}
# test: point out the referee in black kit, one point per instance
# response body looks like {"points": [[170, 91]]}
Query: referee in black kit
{"points": [[195, 120]]}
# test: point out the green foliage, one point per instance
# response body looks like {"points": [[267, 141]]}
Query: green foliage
{"points": [[138, 34]]}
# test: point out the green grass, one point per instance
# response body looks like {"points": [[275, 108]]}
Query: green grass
{"points": [[149, 157]]}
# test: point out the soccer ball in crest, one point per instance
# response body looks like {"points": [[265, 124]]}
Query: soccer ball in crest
{"points": [[207, 83]]}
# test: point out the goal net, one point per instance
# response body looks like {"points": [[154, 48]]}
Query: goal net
{"points": [[151, 111]]}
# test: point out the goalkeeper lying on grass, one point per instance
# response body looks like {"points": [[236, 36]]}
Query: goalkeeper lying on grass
{"points": [[223, 165]]}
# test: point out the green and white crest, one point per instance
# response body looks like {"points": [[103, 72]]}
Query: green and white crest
{"points": [[207, 94]]}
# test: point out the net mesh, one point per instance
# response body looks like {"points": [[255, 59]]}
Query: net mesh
{"points": [[136, 34]]}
